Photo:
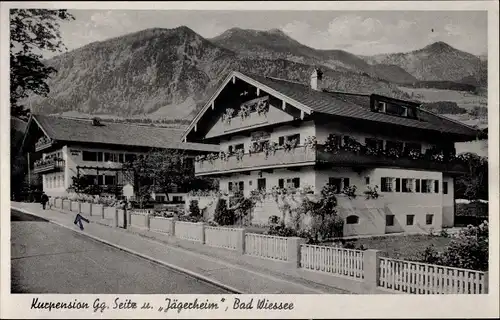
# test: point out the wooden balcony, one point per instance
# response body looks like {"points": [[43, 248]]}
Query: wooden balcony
{"points": [[47, 166], [306, 156], [255, 161], [43, 145], [352, 159]]}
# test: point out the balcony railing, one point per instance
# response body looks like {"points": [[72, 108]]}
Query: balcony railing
{"points": [[363, 159], [279, 157], [49, 165], [320, 154]]}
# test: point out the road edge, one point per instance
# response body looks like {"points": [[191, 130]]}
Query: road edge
{"points": [[133, 252]]}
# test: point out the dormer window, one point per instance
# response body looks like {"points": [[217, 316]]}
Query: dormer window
{"points": [[379, 106], [394, 108], [397, 110]]}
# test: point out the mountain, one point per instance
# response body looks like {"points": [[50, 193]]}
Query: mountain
{"points": [[275, 44], [168, 74], [436, 62]]}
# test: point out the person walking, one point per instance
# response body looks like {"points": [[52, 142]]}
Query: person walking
{"points": [[44, 199]]}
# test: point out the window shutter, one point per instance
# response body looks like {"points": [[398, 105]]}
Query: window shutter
{"points": [[436, 186], [417, 185], [383, 184], [398, 184], [281, 183], [346, 182], [296, 182], [281, 141]]}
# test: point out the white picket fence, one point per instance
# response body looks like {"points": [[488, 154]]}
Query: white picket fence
{"points": [[421, 278], [338, 261], [265, 246], [189, 230], [222, 237]]}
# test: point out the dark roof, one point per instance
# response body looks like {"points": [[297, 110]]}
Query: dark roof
{"points": [[82, 130], [357, 106]]}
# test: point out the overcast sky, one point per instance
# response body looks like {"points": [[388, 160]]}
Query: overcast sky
{"points": [[365, 33]]}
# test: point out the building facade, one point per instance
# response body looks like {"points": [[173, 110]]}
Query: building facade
{"points": [[275, 133], [63, 148]]}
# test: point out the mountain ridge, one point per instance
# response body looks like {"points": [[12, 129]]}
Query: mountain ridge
{"points": [[151, 72]]}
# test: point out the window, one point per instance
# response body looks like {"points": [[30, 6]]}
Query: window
{"points": [[261, 184], [230, 149], [389, 220], [160, 198], [100, 157], [413, 147], [293, 183], [429, 218], [281, 183], [436, 186], [426, 186], [409, 219], [230, 186], [129, 157], [337, 183], [374, 143], [89, 156], [296, 137], [407, 185], [241, 186], [417, 185], [100, 180], [352, 220], [367, 180], [395, 109], [240, 146], [398, 185], [445, 187], [109, 180], [379, 106], [120, 158], [386, 184]]}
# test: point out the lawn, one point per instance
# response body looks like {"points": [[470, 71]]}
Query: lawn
{"points": [[407, 247]]}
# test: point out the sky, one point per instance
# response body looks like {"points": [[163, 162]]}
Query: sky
{"points": [[363, 33]]}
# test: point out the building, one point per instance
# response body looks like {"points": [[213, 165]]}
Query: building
{"points": [[278, 133], [62, 148]]}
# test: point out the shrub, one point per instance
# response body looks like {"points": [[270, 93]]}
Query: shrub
{"points": [[222, 215], [469, 250], [194, 209]]}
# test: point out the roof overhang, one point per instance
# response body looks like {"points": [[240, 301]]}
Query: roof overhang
{"points": [[28, 126], [232, 77]]}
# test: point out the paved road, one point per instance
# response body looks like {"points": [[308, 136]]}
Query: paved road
{"points": [[47, 258]]}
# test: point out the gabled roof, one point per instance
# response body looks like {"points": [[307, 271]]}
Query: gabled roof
{"points": [[82, 130], [340, 104]]}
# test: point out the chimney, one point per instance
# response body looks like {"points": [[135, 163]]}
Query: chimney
{"points": [[317, 79]]}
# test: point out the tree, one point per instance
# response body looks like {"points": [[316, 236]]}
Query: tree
{"points": [[160, 171], [32, 31], [473, 185]]}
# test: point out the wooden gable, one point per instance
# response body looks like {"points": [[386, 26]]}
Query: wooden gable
{"points": [[242, 104]]}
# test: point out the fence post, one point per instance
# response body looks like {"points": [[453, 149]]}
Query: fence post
{"points": [[371, 269], [202, 232], [172, 227], [146, 221], [293, 254], [115, 220], [102, 211], [240, 241], [486, 282], [79, 207]]}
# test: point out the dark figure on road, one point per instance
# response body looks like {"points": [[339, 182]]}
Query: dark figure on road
{"points": [[44, 199], [78, 220]]}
